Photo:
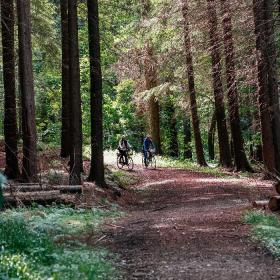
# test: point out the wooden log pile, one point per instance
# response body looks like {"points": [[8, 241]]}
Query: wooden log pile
{"points": [[24, 194]]}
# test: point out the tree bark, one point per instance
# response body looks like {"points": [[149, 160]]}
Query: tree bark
{"points": [[187, 138], [267, 84], [10, 115], [97, 158], [211, 138], [75, 96], [225, 156], [173, 147], [153, 105], [65, 114], [190, 71], [29, 169], [240, 159]]}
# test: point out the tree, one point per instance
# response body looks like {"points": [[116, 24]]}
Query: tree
{"points": [[97, 159], [225, 155], [187, 137], [65, 117], [10, 117], [267, 83], [75, 96], [29, 134], [211, 138], [240, 159], [192, 92]]}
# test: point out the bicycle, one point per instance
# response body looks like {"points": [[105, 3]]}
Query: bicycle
{"points": [[121, 164], [150, 161]]}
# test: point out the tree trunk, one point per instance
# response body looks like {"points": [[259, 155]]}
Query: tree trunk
{"points": [[65, 114], [264, 78], [211, 138], [274, 203], [97, 159], [75, 96], [189, 61], [153, 105], [240, 159], [173, 147], [273, 87], [10, 116], [187, 138], [29, 169], [225, 157]]}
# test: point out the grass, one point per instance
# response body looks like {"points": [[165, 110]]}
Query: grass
{"points": [[266, 229], [124, 179], [29, 247]]}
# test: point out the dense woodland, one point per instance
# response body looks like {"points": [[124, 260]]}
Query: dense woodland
{"points": [[200, 76]]}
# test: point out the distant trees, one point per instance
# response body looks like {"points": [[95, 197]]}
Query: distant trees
{"points": [[96, 97], [10, 117], [29, 134]]}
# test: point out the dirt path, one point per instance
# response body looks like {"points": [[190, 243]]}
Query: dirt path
{"points": [[188, 226]]}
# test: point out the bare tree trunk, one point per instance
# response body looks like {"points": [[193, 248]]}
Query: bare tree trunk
{"points": [[187, 138], [173, 146], [240, 159], [225, 157], [211, 138], [273, 87], [29, 172], [10, 116], [189, 61], [75, 96], [65, 114], [264, 78], [97, 159], [153, 105]]}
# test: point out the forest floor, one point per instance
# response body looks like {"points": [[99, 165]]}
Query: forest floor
{"points": [[188, 225]]}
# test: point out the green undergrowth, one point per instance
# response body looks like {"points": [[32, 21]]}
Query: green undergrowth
{"points": [[46, 243], [266, 229], [190, 166], [125, 179]]}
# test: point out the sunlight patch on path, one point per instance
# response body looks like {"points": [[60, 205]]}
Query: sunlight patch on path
{"points": [[155, 184]]}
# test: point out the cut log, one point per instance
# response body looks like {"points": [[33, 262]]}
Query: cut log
{"points": [[277, 187], [30, 197], [274, 203], [38, 188], [260, 204]]}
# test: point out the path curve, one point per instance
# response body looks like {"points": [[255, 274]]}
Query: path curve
{"points": [[188, 225]]}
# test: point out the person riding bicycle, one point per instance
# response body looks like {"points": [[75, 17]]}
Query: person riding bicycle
{"points": [[148, 146], [124, 147]]}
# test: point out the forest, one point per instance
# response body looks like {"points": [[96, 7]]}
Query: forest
{"points": [[200, 79]]}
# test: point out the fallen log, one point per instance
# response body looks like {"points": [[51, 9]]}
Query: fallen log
{"points": [[31, 197], [39, 188], [274, 203], [260, 204]]}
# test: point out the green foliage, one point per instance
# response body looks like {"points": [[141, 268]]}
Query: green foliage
{"points": [[266, 229], [43, 243], [125, 179]]}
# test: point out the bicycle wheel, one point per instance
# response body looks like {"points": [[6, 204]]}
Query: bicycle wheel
{"points": [[120, 162], [130, 164], [153, 162]]}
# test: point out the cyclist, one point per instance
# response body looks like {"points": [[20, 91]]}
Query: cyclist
{"points": [[124, 147], [148, 145]]}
